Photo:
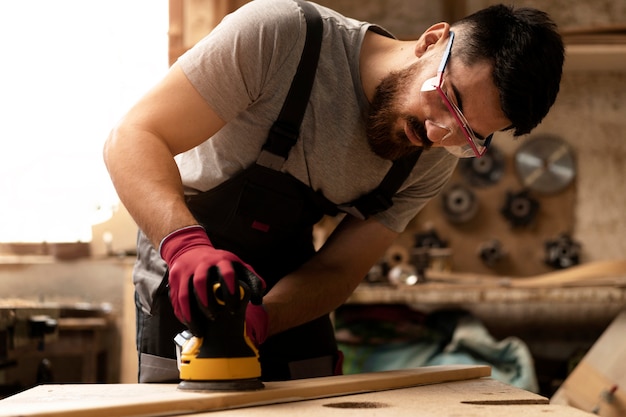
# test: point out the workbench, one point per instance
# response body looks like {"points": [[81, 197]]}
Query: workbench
{"points": [[434, 392], [50, 342]]}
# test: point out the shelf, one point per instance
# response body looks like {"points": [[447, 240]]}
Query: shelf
{"points": [[495, 305]]}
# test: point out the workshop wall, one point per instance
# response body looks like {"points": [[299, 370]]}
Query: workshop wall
{"points": [[590, 115]]}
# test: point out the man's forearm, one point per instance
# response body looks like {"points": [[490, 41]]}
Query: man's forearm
{"points": [[301, 297], [325, 282], [147, 181]]}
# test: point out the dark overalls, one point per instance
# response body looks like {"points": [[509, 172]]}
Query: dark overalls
{"points": [[266, 218]]}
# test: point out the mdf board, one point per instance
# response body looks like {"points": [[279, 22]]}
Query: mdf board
{"points": [[602, 370], [131, 400], [483, 397]]}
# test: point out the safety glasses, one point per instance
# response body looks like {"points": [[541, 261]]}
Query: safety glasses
{"points": [[475, 147]]}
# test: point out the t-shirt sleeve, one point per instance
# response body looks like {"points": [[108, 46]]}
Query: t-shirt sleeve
{"points": [[235, 64]]}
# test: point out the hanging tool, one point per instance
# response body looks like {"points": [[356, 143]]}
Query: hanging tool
{"points": [[520, 209], [545, 164], [491, 252], [460, 204], [562, 252], [221, 357], [484, 171]]}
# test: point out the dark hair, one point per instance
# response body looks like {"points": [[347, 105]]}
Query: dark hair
{"points": [[527, 54]]}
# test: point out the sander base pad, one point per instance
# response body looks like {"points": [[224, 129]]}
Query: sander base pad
{"points": [[222, 385]]}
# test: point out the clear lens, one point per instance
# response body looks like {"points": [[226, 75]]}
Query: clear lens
{"points": [[464, 151], [477, 141], [460, 151], [465, 124], [474, 146]]}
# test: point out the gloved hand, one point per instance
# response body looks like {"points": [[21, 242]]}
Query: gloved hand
{"points": [[195, 266], [256, 324]]}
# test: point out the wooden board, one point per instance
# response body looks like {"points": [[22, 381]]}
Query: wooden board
{"points": [[482, 397], [602, 368], [131, 400], [599, 273]]}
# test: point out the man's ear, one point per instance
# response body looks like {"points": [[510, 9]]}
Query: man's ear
{"points": [[431, 36]]}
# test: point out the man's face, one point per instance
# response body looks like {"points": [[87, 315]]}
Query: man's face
{"points": [[404, 116]]}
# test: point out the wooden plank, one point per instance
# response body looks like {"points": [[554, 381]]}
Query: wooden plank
{"points": [[598, 273], [131, 400], [602, 368], [586, 389]]}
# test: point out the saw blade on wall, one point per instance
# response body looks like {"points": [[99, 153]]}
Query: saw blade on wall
{"points": [[545, 164]]}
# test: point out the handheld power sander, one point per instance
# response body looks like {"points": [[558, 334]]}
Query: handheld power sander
{"points": [[221, 356]]}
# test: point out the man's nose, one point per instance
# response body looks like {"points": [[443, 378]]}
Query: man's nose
{"points": [[437, 132]]}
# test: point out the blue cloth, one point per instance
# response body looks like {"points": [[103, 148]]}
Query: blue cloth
{"points": [[449, 340]]}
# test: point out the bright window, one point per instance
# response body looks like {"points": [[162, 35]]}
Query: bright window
{"points": [[70, 69]]}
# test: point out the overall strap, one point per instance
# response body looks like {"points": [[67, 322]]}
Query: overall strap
{"points": [[286, 129], [380, 199]]}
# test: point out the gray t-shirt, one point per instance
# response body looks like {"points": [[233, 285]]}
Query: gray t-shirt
{"points": [[243, 69]]}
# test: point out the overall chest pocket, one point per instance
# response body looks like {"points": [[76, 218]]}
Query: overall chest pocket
{"points": [[260, 210], [274, 208]]}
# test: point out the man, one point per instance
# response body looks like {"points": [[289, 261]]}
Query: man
{"points": [[197, 142]]}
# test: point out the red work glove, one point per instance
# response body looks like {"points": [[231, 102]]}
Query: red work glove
{"points": [[190, 257], [256, 324]]}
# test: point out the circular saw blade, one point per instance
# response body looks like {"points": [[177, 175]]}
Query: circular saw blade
{"points": [[545, 164]]}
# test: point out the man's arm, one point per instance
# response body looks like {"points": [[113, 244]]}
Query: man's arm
{"points": [[327, 280], [170, 119], [173, 118]]}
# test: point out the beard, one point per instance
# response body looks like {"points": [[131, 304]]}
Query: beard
{"points": [[384, 137]]}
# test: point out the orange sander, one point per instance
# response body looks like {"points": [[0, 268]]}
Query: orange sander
{"points": [[221, 357]]}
